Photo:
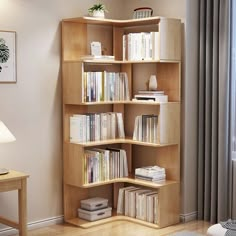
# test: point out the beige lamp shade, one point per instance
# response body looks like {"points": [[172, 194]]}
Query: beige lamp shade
{"points": [[5, 135]]}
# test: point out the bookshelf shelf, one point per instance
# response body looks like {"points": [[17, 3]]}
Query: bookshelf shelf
{"points": [[87, 224], [133, 181], [121, 140], [85, 94]]}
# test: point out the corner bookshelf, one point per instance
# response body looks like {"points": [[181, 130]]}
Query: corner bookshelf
{"points": [[77, 34]]}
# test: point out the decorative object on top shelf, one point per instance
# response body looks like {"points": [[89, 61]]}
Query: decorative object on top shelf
{"points": [[152, 85], [142, 12], [97, 10]]}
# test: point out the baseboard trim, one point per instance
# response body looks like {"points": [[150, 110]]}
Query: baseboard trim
{"points": [[34, 225], [188, 217]]}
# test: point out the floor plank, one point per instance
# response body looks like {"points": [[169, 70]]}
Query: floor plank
{"points": [[119, 228]]}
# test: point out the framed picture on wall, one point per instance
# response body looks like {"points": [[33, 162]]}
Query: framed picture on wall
{"points": [[7, 56]]}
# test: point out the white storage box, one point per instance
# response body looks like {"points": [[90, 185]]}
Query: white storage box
{"points": [[94, 215], [93, 204]]}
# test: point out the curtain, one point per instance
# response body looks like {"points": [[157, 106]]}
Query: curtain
{"points": [[214, 164]]}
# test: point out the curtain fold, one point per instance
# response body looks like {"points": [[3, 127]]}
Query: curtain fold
{"points": [[213, 112]]}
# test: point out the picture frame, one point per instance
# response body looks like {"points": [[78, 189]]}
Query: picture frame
{"points": [[8, 56]]}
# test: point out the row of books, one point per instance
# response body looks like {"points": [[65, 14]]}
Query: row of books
{"points": [[105, 164], [105, 86], [151, 173], [141, 46], [96, 126], [138, 203], [145, 128]]}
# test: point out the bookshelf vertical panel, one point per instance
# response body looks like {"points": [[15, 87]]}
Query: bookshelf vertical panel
{"points": [[168, 201], [169, 123], [74, 164], [117, 45], [169, 158], [168, 78], [74, 40], [72, 82], [170, 39]]}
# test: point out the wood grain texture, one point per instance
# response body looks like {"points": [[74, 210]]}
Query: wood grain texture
{"points": [[120, 228]]}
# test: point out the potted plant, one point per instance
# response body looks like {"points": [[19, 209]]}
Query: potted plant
{"points": [[97, 10]]}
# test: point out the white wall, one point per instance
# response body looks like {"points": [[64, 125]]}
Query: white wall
{"points": [[31, 108]]}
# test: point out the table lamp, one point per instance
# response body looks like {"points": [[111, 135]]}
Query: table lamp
{"points": [[5, 137]]}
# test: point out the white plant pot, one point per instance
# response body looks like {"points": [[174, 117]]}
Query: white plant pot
{"points": [[98, 14]]}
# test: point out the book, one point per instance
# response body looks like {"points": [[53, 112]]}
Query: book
{"points": [[120, 124], [150, 92], [97, 57], [149, 171], [120, 202]]}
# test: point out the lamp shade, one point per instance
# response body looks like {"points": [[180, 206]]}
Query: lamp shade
{"points": [[5, 134]]}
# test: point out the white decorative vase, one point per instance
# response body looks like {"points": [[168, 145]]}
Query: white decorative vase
{"points": [[152, 85], [98, 14]]}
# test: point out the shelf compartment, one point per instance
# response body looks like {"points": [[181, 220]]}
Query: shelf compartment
{"points": [[167, 210], [87, 224]]}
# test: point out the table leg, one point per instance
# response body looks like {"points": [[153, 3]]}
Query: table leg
{"points": [[22, 205]]}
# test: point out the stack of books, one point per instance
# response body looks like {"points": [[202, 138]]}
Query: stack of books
{"points": [[151, 173], [156, 96]]}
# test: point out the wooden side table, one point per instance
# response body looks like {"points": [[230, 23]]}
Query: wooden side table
{"points": [[15, 180]]}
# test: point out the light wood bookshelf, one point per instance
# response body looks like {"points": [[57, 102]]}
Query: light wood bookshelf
{"points": [[77, 34]]}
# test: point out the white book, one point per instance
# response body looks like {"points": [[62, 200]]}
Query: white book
{"points": [[138, 202], [120, 124], [135, 133], [155, 45], [127, 202], [77, 128], [155, 210], [150, 207], [120, 201]]}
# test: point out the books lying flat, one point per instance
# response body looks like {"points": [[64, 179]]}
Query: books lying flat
{"points": [[150, 171], [154, 179], [98, 57], [151, 92], [151, 97]]}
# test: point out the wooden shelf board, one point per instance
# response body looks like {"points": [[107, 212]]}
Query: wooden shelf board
{"points": [[126, 102], [122, 140], [104, 61], [87, 224], [123, 23], [132, 181]]}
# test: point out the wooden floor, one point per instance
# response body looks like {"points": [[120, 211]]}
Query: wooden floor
{"points": [[120, 228]]}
